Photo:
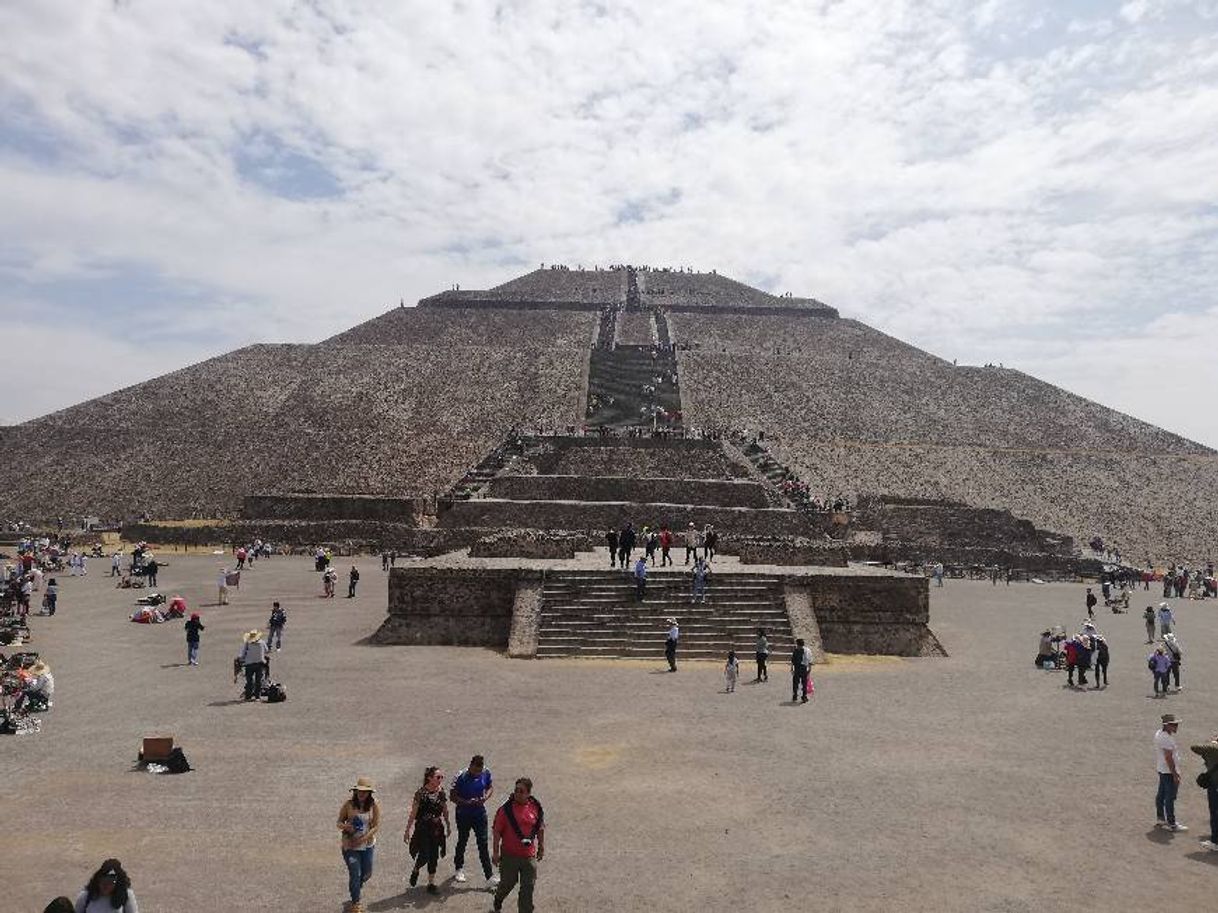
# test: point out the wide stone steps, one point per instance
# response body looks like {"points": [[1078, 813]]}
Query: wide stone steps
{"points": [[594, 614]]}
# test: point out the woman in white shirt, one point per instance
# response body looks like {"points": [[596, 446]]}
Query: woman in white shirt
{"points": [[108, 890]]}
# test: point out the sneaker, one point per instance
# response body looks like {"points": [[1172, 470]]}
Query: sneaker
{"points": [[414, 877], [1176, 828], [1209, 845], [493, 881], [460, 876], [1161, 824]]}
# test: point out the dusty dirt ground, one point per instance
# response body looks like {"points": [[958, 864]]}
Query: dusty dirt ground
{"points": [[971, 783]]}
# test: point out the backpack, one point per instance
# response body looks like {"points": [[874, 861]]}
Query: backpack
{"points": [[177, 763], [275, 693], [506, 808]]}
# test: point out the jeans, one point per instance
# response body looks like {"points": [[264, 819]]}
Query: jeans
{"points": [[1174, 672], [274, 637], [1161, 679], [690, 550], [1165, 799], [51, 600], [799, 682], [478, 826], [192, 652], [1101, 669], [1212, 795], [1150, 632], [700, 589], [359, 869], [640, 588], [513, 869], [253, 681], [670, 653], [665, 558], [763, 674], [351, 589]]}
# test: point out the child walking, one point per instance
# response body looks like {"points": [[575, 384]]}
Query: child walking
{"points": [[731, 671]]}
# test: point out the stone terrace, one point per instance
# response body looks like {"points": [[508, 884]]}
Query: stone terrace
{"points": [[696, 291], [285, 418], [591, 287], [474, 327]]}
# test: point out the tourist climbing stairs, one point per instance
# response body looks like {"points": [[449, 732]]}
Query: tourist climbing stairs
{"points": [[624, 383], [476, 479], [761, 457], [594, 614]]}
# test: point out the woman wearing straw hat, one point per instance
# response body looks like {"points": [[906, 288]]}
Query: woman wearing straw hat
{"points": [[358, 820], [253, 659]]}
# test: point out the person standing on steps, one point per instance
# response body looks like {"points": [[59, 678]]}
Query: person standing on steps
{"points": [[800, 663], [665, 545], [625, 545], [762, 653], [640, 579], [1209, 782], [1167, 763], [670, 644], [699, 573], [691, 542], [470, 792], [274, 627], [193, 627], [611, 541], [428, 827], [358, 821], [519, 845], [1149, 617], [710, 539]]}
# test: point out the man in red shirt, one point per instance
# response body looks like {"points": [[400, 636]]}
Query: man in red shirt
{"points": [[519, 844]]}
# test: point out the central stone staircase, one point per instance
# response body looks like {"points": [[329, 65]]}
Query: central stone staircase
{"points": [[593, 614]]}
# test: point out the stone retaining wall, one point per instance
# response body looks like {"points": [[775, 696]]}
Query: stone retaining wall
{"points": [[592, 517], [713, 492], [527, 543], [789, 552], [469, 608], [330, 507], [886, 615]]}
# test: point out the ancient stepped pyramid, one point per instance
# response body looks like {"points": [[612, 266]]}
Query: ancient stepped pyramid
{"points": [[427, 418]]}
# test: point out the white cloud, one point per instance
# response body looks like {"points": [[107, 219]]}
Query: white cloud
{"points": [[943, 170]]}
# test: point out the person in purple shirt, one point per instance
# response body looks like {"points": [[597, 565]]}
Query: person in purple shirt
{"points": [[470, 792], [1160, 665]]}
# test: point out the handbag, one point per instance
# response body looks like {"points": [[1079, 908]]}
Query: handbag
{"points": [[1205, 780]]}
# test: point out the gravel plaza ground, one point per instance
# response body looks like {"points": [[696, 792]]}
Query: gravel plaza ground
{"points": [[970, 783]]}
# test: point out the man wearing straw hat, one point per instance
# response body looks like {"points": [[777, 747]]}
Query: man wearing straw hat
{"points": [[1167, 763], [38, 684], [253, 660]]}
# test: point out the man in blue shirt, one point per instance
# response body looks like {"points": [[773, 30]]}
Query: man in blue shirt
{"points": [[470, 792]]}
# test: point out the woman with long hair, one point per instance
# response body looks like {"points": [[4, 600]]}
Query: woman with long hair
{"points": [[108, 890], [358, 820], [428, 827]]}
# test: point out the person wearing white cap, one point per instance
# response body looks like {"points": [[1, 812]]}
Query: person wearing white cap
{"points": [[358, 820], [670, 644], [1167, 763]]}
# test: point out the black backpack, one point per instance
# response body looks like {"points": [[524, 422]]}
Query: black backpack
{"points": [[275, 693]]}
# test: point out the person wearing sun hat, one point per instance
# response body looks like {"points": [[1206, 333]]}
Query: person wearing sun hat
{"points": [[253, 661], [1167, 763], [358, 821]]}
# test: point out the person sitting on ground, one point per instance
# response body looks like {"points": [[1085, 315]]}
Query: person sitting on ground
{"points": [[177, 607], [37, 688]]}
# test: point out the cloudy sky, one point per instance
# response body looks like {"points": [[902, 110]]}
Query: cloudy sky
{"points": [[1032, 183]]}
